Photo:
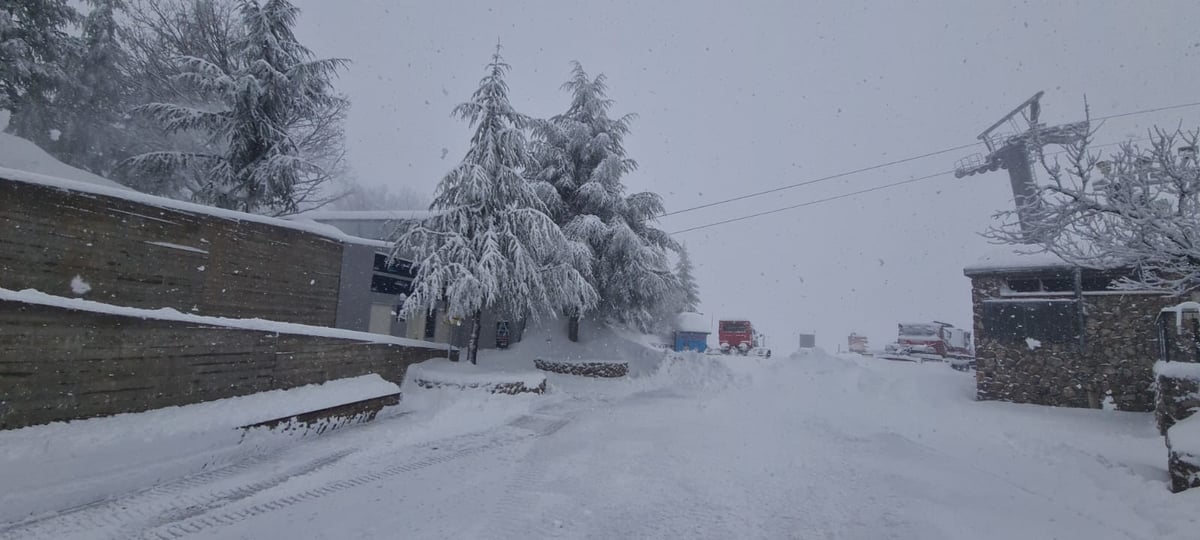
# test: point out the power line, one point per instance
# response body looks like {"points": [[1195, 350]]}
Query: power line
{"points": [[897, 162], [1147, 111], [818, 201], [860, 192], [817, 180]]}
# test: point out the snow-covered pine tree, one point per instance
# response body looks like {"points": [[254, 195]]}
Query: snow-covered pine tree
{"points": [[492, 245], [276, 88], [689, 292], [581, 159], [93, 135], [34, 48]]}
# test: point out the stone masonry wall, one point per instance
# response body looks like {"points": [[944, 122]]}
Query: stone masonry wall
{"points": [[135, 254], [60, 364], [1117, 361]]}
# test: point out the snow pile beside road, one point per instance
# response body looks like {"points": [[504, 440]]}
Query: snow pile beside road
{"points": [[68, 464]]}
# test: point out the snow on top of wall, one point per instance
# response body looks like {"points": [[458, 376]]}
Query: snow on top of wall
{"points": [[69, 184], [1177, 370], [20, 154], [366, 215], [30, 296], [1185, 436], [464, 374], [692, 322], [1007, 258]]}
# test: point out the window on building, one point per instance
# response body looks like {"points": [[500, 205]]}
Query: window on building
{"points": [[1091, 281], [383, 283], [1049, 321], [392, 276]]}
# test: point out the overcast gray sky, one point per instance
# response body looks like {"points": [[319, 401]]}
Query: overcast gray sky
{"points": [[735, 97]]}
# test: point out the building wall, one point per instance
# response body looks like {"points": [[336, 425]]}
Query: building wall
{"points": [[140, 255], [61, 364], [1116, 359]]}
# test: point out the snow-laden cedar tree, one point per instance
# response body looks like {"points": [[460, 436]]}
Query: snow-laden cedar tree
{"points": [[491, 245], [268, 103], [581, 160]]}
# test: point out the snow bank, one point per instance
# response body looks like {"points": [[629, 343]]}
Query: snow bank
{"points": [[692, 322], [67, 184], [30, 296], [1177, 370], [62, 464], [22, 155], [465, 374]]}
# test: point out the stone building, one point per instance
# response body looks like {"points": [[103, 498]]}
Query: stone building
{"points": [[1050, 333]]}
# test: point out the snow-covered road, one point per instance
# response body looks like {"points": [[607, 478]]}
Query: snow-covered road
{"points": [[812, 447]]}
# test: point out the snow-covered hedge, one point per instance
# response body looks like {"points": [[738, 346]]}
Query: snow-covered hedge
{"points": [[586, 368]]}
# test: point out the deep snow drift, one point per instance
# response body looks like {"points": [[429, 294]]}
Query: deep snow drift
{"points": [[811, 446]]}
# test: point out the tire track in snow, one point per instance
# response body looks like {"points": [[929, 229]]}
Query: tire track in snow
{"points": [[514, 515], [153, 505], [533, 426]]}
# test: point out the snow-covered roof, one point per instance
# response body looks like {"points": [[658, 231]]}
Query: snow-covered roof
{"points": [[30, 296], [692, 322], [67, 184], [366, 215], [1009, 258], [23, 155]]}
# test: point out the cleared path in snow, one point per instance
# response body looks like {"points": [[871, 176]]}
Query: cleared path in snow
{"points": [[812, 447]]}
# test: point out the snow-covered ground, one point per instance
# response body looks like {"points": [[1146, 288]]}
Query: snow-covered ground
{"points": [[812, 446]]}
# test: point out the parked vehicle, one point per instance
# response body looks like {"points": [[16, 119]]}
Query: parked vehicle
{"points": [[738, 337], [939, 341]]}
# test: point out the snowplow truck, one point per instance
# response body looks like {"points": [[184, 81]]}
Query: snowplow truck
{"points": [[738, 337], [919, 342]]}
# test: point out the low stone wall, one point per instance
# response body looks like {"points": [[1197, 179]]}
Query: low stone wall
{"points": [[511, 388], [60, 364], [1177, 393], [1177, 398], [607, 370], [1184, 469], [320, 421]]}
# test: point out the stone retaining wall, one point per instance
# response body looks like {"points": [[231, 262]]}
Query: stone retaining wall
{"points": [[607, 370], [61, 364]]}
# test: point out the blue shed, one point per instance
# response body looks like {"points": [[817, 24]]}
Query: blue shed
{"points": [[691, 332], [691, 341]]}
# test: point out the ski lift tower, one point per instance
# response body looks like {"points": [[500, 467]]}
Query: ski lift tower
{"points": [[1011, 143]]}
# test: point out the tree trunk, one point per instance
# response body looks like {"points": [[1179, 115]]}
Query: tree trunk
{"points": [[573, 328], [473, 343]]}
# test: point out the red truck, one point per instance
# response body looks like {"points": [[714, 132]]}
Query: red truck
{"points": [[739, 337]]}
